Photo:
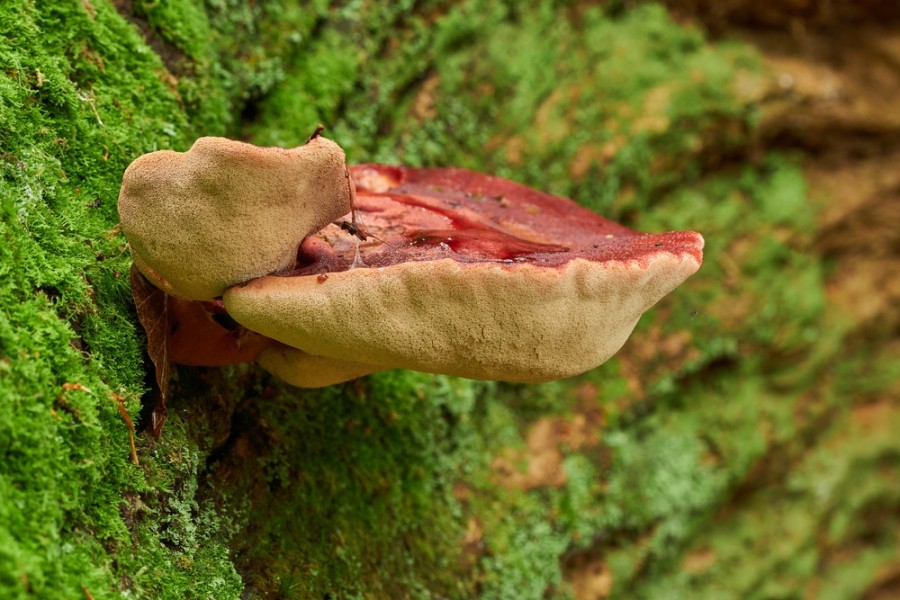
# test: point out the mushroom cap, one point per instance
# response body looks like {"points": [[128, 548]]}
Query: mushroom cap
{"points": [[517, 323], [225, 212], [469, 275]]}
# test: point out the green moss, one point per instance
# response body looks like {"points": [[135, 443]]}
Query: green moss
{"points": [[732, 427], [81, 95], [353, 484], [183, 24], [628, 113], [523, 93]]}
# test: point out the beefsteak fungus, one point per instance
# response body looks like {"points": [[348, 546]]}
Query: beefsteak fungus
{"points": [[439, 270]]}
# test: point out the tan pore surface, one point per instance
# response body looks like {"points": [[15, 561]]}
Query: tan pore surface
{"points": [[483, 321], [225, 212], [307, 371]]}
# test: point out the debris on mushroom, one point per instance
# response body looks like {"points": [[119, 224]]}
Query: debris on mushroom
{"points": [[467, 275], [225, 212]]}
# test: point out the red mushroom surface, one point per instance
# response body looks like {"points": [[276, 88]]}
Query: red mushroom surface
{"points": [[410, 215]]}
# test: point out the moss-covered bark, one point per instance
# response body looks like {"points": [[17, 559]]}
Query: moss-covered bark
{"points": [[81, 95], [739, 446]]}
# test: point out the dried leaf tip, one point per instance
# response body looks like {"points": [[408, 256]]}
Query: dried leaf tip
{"points": [[319, 129]]}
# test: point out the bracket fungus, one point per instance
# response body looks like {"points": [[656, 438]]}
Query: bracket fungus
{"points": [[440, 270]]}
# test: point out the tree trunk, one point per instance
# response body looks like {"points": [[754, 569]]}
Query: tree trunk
{"points": [[742, 444]]}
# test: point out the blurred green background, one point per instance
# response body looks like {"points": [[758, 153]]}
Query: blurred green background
{"points": [[743, 444]]}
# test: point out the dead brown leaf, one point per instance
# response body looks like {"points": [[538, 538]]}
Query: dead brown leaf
{"points": [[152, 311]]}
